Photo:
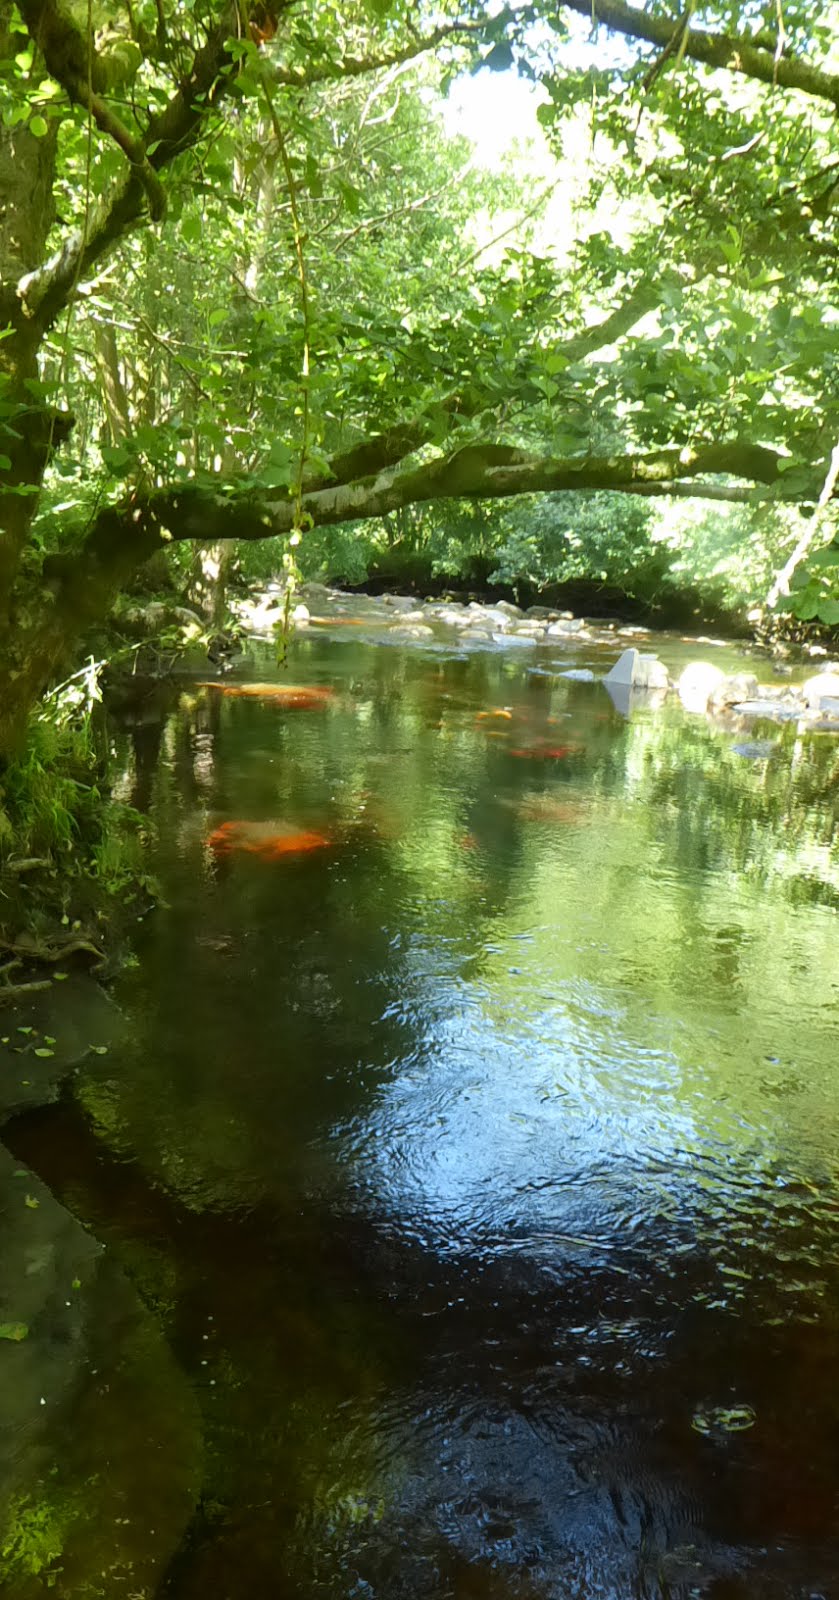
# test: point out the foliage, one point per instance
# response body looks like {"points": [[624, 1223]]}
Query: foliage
{"points": [[314, 332], [54, 797], [34, 1539]]}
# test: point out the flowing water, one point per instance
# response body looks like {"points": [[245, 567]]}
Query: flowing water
{"points": [[480, 1158]]}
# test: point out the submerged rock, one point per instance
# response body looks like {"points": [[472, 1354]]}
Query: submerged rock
{"points": [[101, 1459], [772, 710]]}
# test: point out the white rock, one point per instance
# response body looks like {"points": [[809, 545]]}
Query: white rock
{"points": [[697, 683], [520, 639], [301, 615], [824, 686], [639, 672]]}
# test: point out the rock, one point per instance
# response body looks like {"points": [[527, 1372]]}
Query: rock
{"points": [[578, 675], [522, 640], [542, 613], [638, 672], [734, 688], [452, 616], [410, 630], [76, 1015], [399, 602], [493, 615], [774, 710], [300, 616], [566, 625], [756, 749], [144, 622], [824, 686], [105, 1468], [697, 683], [508, 609], [312, 591]]}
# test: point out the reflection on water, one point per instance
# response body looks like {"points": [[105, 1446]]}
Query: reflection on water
{"points": [[482, 1167]]}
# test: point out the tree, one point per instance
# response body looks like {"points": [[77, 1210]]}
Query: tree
{"points": [[713, 374]]}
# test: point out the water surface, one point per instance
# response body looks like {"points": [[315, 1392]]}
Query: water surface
{"points": [[481, 1165]]}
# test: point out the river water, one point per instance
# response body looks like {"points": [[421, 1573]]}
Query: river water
{"points": [[481, 1161]]}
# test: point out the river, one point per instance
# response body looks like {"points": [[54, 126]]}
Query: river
{"points": [[475, 1136]]}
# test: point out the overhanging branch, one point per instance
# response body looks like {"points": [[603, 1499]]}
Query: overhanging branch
{"points": [[730, 52]]}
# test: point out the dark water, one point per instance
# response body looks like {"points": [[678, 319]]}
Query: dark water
{"points": [[482, 1166]]}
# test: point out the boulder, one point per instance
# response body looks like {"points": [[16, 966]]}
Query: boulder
{"points": [[698, 683], [734, 688], [300, 616], [823, 686], [578, 675], [399, 602], [508, 609], [635, 671]]}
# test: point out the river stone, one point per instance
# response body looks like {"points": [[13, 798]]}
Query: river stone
{"points": [[100, 1452], [516, 640], [399, 602], [697, 683], [410, 630], [578, 675], [301, 615], [638, 672], [735, 688], [565, 626], [824, 685], [508, 609], [496, 619], [773, 710]]}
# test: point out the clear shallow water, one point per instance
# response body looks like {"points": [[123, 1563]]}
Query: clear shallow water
{"points": [[482, 1166]]}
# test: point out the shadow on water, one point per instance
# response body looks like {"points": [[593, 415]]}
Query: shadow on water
{"points": [[481, 1169]]}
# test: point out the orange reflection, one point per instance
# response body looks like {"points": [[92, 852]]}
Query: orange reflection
{"points": [[293, 696], [270, 840], [547, 752]]}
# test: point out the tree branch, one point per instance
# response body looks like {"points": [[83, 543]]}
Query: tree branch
{"points": [[380, 451], [45, 291], [731, 52], [359, 66]]}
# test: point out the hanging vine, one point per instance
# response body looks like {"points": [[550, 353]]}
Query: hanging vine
{"points": [[300, 520]]}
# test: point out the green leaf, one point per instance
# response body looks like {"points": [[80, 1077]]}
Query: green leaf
{"points": [[43, 1051], [38, 126], [16, 1331]]}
